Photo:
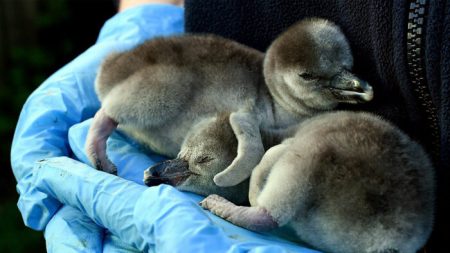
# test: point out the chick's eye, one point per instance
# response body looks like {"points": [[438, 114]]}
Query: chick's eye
{"points": [[204, 159], [308, 76]]}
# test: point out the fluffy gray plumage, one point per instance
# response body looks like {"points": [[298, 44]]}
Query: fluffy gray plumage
{"points": [[345, 183], [161, 91]]}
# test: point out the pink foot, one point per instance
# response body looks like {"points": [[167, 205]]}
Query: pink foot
{"points": [[253, 218], [101, 128]]}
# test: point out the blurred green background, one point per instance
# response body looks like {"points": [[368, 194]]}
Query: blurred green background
{"points": [[37, 37]]}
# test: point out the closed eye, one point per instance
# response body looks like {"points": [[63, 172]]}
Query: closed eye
{"points": [[308, 76], [204, 159]]}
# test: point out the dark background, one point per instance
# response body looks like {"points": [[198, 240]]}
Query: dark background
{"points": [[37, 37]]}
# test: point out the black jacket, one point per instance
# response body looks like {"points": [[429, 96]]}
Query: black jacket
{"points": [[401, 47]]}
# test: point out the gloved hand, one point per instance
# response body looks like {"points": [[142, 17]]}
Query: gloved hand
{"points": [[75, 203]]}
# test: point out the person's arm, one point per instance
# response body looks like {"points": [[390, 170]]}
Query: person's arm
{"points": [[125, 4]]}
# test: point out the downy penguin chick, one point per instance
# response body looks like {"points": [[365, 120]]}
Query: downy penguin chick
{"points": [[203, 154], [159, 91], [347, 182]]}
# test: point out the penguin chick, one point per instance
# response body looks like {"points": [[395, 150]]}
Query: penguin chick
{"points": [[161, 90], [346, 183], [204, 154], [308, 69]]}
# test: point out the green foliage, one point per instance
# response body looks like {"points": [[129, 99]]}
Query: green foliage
{"points": [[52, 11], [29, 63], [15, 237]]}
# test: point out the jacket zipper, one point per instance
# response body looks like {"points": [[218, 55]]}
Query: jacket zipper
{"points": [[416, 67]]}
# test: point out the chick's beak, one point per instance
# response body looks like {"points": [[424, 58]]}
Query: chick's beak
{"points": [[349, 88], [171, 172]]}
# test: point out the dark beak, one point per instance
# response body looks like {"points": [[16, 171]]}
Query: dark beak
{"points": [[348, 88], [171, 172]]}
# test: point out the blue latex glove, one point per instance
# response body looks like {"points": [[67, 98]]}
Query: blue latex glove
{"points": [[74, 203]]}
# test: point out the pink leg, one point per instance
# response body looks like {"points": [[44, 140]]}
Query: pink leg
{"points": [[101, 128], [253, 218]]}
